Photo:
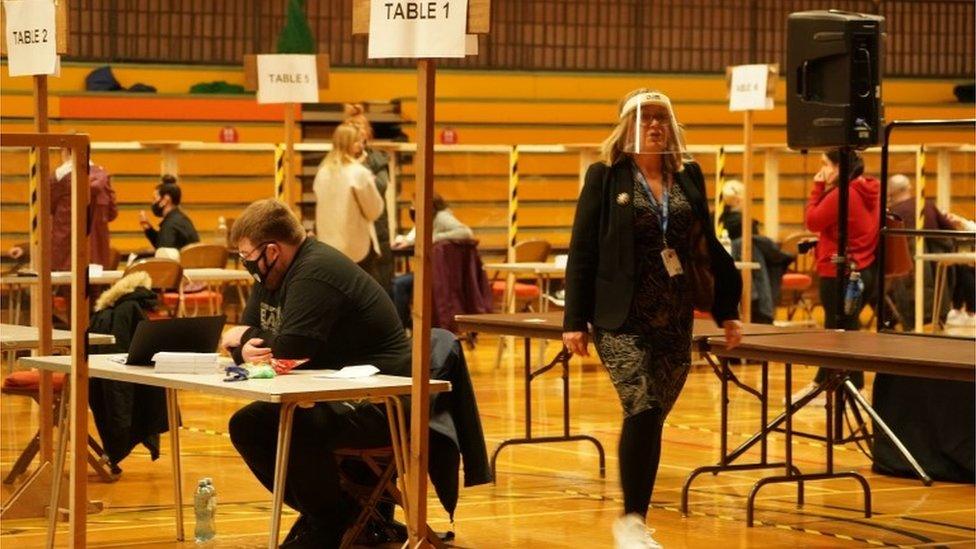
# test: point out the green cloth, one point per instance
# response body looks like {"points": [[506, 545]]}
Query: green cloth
{"points": [[296, 36]]}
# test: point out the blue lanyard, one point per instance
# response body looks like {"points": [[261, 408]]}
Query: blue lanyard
{"points": [[663, 211]]}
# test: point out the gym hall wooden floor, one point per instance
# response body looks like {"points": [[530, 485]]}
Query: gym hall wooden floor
{"points": [[547, 495]]}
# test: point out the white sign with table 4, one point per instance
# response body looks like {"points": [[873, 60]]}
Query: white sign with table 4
{"points": [[287, 78], [31, 37], [403, 28], [749, 88]]}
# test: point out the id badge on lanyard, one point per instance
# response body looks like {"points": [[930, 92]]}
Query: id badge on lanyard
{"points": [[668, 255]]}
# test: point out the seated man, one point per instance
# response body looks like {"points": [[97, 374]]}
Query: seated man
{"points": [[175, 230], [310, 302]]}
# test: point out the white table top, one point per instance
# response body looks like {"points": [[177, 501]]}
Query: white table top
{"points": [[956, 257], [109, 277], [297, 386], [540, 268], [14, 337]]}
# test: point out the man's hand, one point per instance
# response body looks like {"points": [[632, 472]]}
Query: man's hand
{"points": [[232, 337], [733, 333], [254, 353], [16, 252], [577, 342], [143, 220]]}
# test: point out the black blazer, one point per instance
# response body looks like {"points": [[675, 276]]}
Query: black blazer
{"points": [[600, 276]]}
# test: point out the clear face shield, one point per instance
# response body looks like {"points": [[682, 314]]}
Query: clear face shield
{"points": [[651, 127]]}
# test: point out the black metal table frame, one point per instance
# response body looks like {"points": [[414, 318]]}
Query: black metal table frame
{"points": [[835, 380], [529, 375]]}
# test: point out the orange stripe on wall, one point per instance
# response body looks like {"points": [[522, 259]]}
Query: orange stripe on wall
{"points": [[176, 108]]}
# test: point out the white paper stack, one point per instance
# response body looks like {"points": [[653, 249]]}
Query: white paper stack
{"points": [[186, 363]]}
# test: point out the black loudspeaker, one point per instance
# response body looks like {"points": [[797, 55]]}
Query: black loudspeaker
{"points": [[833, 75]]}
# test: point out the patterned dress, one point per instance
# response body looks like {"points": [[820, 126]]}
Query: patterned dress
{"points": [[649, 356]]}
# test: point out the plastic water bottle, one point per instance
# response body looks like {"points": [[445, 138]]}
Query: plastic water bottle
{"points": [[205, 507], [726, 241], [853, 293]]}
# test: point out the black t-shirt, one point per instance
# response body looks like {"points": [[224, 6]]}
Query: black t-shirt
{"points": [[175, 231], [329, 310]]}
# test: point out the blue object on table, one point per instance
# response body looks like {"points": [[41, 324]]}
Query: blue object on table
{"points": [[236, 373]]}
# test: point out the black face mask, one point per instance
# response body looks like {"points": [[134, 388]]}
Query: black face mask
{"points": [[157, 209], [252, 266]]}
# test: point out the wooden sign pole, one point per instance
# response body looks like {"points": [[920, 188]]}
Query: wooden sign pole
{"points": [[289, 153], [422, 303], [747, 216]]}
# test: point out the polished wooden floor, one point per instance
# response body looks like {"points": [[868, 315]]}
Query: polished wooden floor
{"points": [[547, 495]]}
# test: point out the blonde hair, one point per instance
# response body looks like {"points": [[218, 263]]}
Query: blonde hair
{"points": [[614, 147], [343, 139], [355, 114]]}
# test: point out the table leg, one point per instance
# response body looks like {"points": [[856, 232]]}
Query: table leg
{"points": [[60, 458], [173, 416], [764, 412], [562, 357], [285, 418], [939, 288]]}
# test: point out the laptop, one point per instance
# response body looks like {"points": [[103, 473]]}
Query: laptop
{"points": [[198, 334]]}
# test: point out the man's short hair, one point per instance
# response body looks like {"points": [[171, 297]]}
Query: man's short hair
{"points": [[267, 220], [169, 188]]}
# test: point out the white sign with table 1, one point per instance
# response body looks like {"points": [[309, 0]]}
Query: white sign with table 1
{"points": [[402, 28], [31, 37]]}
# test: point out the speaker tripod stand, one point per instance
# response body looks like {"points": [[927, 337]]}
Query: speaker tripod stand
{"points": [[842, 394]]}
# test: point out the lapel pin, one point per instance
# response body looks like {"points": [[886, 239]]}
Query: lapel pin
{"points": [[623, 199]]}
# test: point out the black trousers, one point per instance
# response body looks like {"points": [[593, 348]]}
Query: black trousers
{"points": [[312, 485], [828, 297]]}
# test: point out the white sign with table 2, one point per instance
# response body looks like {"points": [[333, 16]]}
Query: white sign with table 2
{"points": [[287, 78], [31, 37], [403, 28]]}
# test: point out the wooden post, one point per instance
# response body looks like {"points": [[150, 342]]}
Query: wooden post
{"points": [[771, 193], [420, 392], [943, 182], [747, 216], [41, 302], [77, 495], [289, 153]]}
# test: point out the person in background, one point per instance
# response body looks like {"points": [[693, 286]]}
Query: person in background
{"points": [[446, 227], [103, 211], [862, 240], [347, 202], [642, 212], [901, 202], [733, 193], [312, 306], [176, 229], [378, 162]]}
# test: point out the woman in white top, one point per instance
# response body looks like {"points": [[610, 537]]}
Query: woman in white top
{"points": [[346, 199]]}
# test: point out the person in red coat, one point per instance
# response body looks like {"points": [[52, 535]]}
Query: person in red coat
{"points": [[103, 211], [862, 237]]}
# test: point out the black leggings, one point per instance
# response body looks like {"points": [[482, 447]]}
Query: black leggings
{"points": [[640, 455], [828, 297]]}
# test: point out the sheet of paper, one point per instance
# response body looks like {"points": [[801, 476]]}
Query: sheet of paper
{"points": [[351, 372], [31, 37], [402, 28], [748, 91], [287, 78]]}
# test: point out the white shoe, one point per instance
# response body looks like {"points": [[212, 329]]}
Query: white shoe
{"points": [[630, 532], [956, 317]]}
